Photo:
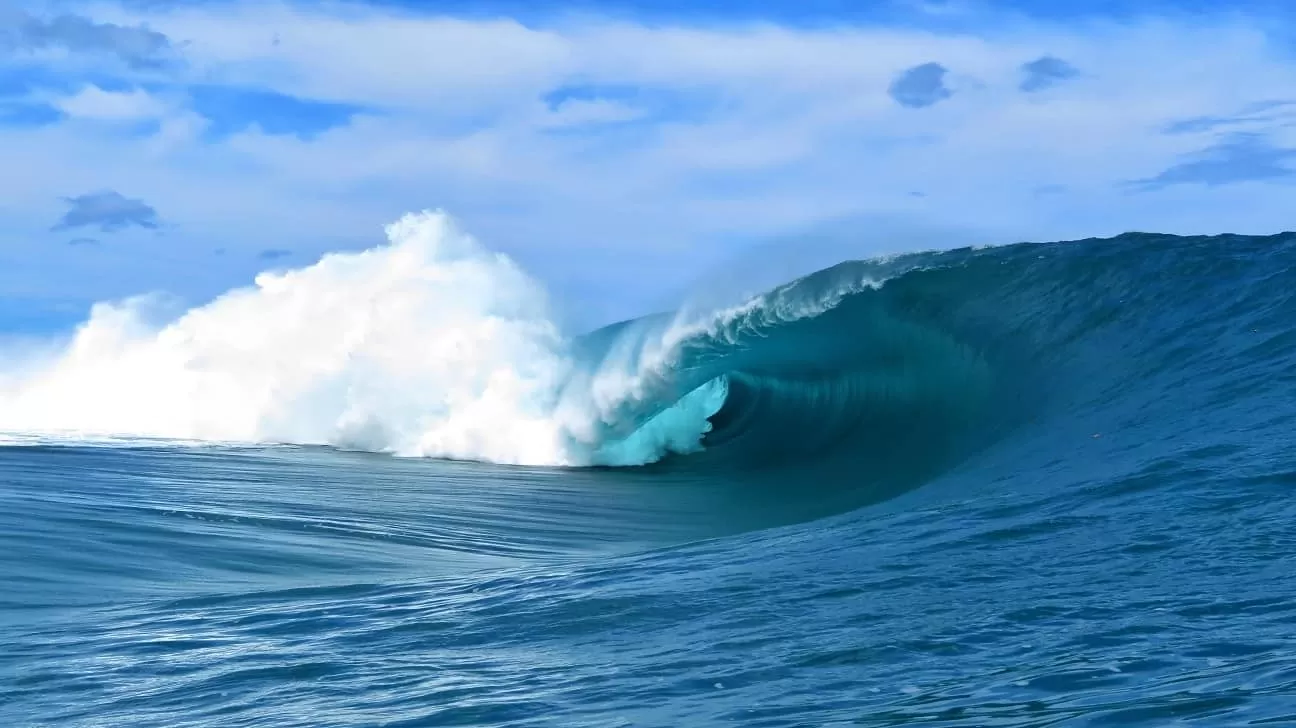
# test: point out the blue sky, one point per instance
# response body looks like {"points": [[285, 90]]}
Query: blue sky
{"points": [[615, 149]]}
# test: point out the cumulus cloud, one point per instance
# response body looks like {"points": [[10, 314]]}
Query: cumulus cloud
{"points": [[108, 211], [1044, 72], [138, 46], [920, 86]]}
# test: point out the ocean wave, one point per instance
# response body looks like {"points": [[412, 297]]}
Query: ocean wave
{"points": [[433, 346]]}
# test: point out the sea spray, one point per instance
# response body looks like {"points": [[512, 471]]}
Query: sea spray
{"points": [[428, 345]]}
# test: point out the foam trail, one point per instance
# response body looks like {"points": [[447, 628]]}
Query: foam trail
{"points": [[429, 345]]}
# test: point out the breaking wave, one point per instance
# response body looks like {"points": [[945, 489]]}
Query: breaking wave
{"points": [[433, 346]]}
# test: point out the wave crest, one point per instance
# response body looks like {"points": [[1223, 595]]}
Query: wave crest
{"points": [[431, 345]]}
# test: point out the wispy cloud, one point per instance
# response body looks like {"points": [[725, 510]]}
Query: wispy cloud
{"points": [[108, 211], [1268, 113], [231, 109], [1236, 158]]}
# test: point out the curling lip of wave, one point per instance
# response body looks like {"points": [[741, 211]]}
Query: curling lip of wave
{"points": [[429, 345]]}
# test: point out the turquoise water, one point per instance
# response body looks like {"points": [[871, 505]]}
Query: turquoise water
{"points": [[1018, 486]]}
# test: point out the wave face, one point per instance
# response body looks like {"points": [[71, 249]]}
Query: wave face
{"points": [[433, 346]]}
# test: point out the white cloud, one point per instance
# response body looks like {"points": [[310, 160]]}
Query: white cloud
{"points": [[748, 131], [92, 102], [362, 56], [136, 46]]}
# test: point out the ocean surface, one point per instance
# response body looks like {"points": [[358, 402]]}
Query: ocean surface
{"points": [[1027, 485]]}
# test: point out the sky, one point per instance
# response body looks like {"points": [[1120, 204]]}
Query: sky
{"points": [[616, 150]]}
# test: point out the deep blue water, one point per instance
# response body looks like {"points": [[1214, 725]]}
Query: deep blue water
{"points": [[1020, 486]]}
